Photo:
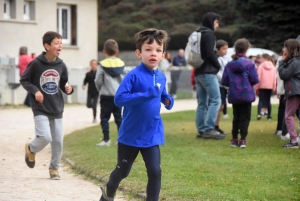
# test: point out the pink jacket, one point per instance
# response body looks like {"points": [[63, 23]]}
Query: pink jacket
{"points": [[267, 76], [24, 60]]}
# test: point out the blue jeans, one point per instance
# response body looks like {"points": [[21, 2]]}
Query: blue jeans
{"points": [[209, 100]]}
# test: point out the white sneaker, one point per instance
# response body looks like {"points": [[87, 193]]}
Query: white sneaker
{"points": [[286, 137], [225, 116], [298, 138], [103, 143]]}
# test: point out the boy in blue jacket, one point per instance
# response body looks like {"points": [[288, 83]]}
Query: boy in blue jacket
{"points": [[141, 93]]}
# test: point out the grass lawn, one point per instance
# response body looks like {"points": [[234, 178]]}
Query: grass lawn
{"points": [[198, 169]]}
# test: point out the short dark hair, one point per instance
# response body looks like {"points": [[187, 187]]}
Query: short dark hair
{"points": [[49, 36], [111, 47], [240, 46], [149, 35], [23, 50], [221, 43], [293, 48]]}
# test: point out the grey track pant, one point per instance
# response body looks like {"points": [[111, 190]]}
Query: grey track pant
{"points": [[47, 131]]}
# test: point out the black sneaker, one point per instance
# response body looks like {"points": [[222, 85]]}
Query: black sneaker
{"points": [[291, 145], [200, 135], [242, 144], [213, 134], [219, 130], [234, 143], [104, 196]]}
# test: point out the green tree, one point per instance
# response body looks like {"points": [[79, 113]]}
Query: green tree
{"points": [[267, 24], [120, 19]]}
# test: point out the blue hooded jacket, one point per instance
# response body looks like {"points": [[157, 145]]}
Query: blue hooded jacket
{"points": [[141, 93]]}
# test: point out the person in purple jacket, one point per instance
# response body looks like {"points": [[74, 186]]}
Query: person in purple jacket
{"points": [[240, 75]]}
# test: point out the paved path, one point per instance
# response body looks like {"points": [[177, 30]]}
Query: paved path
{"points": [[18, 182]]}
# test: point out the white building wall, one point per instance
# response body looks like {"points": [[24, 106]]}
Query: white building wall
{"points": [[17, 32]]}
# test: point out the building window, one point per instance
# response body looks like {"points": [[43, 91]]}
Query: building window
{"points": [[26, 12], [67, 23], [6, 9]]}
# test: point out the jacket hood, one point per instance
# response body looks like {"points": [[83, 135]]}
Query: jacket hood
{"points": [[238, 67], [43, 59], [268, 65], [209, 18], [113, 66]]}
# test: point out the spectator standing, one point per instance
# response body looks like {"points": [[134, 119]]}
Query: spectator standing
{"points": [[164, 66], [289, 72], [178, 61], [222, 47], [240, 75], [24, 60], [267, 84], [141, 93], [92, 93], [45, 78], [208, 92], [108, 78]]}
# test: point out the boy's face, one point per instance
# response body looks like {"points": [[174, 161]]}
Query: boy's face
{"points": [[151, 54], [94, 65], [55, 48], [216, 24], [222, 51]]}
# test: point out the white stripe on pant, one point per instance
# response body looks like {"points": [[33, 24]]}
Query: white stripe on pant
{"points": [[48, 130]]}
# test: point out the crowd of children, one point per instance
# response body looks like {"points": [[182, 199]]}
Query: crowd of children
{"points": [[141, 92]]}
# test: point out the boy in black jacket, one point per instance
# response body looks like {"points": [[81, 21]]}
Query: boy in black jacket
{"points": [[45, 78]]}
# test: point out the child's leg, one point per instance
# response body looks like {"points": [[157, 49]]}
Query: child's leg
{"points": [[106, 110], [57, 133], [268, 102], [224, 91], [235, 121], [260, 101], [245, 116], [89, 101], [42, 132], [292, 104], [117, 111], [280, 115], [151, 157], [94, 105], [126, 156]]}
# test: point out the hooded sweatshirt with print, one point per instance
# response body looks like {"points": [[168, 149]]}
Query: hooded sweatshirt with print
{"points": [[207, 46], [141, 93], [267, 76], [240, 75], [109, 76], [50, 79]]}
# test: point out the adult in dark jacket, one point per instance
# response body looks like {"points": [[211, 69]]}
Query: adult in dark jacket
{"points": [[178, 61], [208, 93], [92, 93]]}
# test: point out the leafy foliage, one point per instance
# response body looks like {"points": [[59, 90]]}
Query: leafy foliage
{"points": [[122, 19], [268, 23]]}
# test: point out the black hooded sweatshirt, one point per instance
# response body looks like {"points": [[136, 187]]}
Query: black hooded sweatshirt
{"points": [[50, 79], [207, 45]]}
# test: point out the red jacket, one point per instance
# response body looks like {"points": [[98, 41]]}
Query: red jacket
{"points": [[24, 60]]}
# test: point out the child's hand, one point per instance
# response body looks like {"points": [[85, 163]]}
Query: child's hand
{"points": [[68, 88], [168, 102], [39, 97], [83, 87]]}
